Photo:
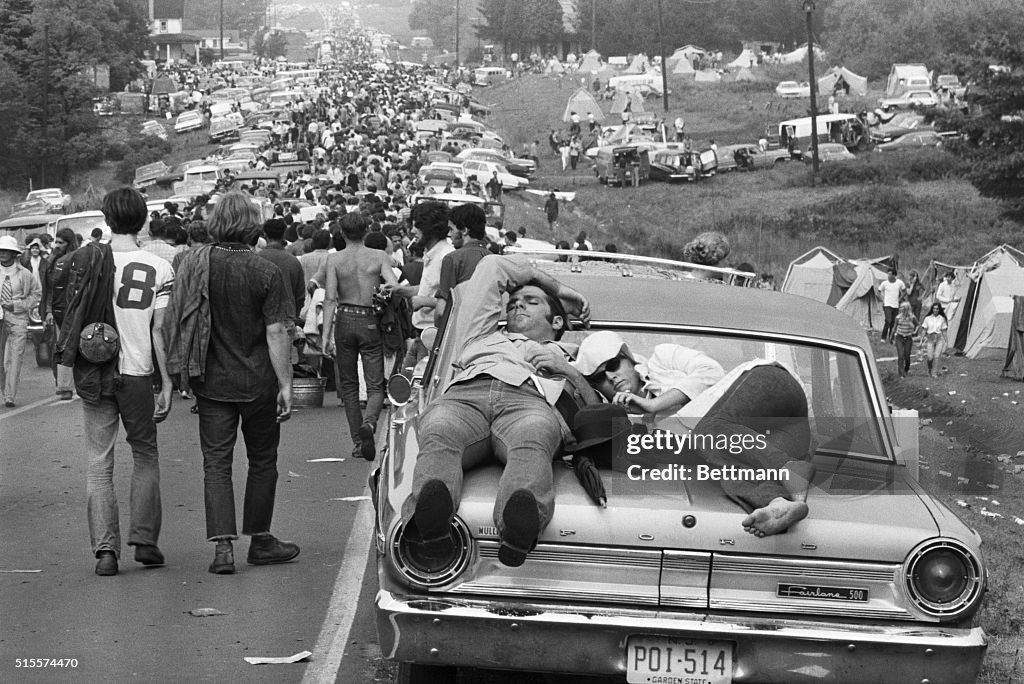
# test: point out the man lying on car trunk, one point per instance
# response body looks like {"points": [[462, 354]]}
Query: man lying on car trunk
{"points": [[499, 406], [755, 398]]}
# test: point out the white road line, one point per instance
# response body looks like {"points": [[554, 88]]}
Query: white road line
{"points": [[29, 407], [330, 645]]}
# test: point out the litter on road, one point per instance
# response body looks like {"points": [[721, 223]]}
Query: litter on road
{"points": [[301, 655]]}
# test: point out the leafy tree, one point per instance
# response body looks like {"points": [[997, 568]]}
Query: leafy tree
{"points": [[239, 15], [270, 44], [992, 141], [436, 18]]}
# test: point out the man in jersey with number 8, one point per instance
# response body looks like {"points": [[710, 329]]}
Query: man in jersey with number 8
{"points": [[142, 286]]}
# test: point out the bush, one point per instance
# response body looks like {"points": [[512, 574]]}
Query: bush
{"points": [[139, 151], [911, 166]]}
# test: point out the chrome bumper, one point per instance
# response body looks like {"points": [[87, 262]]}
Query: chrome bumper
{"points": [[592, 640]]}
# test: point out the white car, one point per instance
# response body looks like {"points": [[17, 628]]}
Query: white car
{"points": [[483, 170], [154, 127], [911, 98], [56, 200], [189, 121], [792, 89]]}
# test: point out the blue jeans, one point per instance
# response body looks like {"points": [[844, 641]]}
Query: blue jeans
{"points": [[218, 431], [15, 336], [890, 321], [133, 404], [482, 419], [357, 334]]}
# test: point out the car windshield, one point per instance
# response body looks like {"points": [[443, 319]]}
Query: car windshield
{"points": [[82, 225]]}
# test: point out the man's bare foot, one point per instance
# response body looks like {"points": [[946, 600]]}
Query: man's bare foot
{"points": [[774, 518]]}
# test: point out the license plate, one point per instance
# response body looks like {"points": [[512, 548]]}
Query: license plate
{"points": [[653, 660]]}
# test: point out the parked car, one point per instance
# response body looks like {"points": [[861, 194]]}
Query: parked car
{"points": [[484, 170], [912, 141], [223, 129], [148, 174], [792, 89], [899, 124], [670, 165], [749, 158], [879, 583], [190, 120], [495, 211], [54, 199], [950, 83], [517, 166], [83, 223], [828, 152], [611, 163], [21, 225], [153, 127], [910, 99]]}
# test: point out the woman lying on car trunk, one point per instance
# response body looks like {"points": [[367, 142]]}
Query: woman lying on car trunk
{"points": [[759, 398]]}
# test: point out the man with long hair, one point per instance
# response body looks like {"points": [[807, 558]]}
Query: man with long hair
{"points": [[228, 332]]}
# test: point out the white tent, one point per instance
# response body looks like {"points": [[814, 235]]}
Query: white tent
{"points": [[746, 59], [638, 65], [861, 299], [980, 326], [636, 103], [683, 67], [745, 74], [858, 84], [707, 76], [850, 285], [583, 103], [810, 275], [800, 54], [553, 67], [688, 52], [591, 61]]}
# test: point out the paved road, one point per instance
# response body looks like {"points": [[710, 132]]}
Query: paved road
{"points": [[136, 626]]}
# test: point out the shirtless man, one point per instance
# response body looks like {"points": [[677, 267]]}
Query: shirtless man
{"points": [[352, 275], [758, 397]]}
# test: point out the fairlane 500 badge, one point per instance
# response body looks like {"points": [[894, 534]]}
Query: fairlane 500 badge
{"points": [[824, 593]]}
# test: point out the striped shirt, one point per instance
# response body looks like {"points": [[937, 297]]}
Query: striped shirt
{"points": [[906, 325]]}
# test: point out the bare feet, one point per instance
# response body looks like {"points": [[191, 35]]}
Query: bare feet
{"points": [[774, 518]]}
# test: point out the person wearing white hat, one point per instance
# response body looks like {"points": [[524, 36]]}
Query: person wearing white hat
{"points": [[19, 292], [755, 398]]}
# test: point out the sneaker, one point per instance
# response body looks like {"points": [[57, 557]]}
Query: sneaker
{"points": [[367, 442], [522, 525], [265, 550], [9, 403], [148, 554], [106, 564], [223, 559], [434, 511]]}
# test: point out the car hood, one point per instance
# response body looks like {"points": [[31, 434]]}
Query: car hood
{"points": [[875, 517]]}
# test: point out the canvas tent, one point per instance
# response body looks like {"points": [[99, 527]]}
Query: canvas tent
{"points": [[683, 67], [591, 61], [747, 59], [800, 54], [858, 84], [850, 285], [688, 52], [1014, 366], [707, 76], [981, 323], [164, 85], [583, 103], [638, 65], [745, 74]]}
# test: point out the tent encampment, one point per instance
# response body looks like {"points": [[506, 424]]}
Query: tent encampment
{"points": [[1014, 366], [583, 103], [850, 285], [638, 65], [636, 103], [591, 61], [553, 67], [688, 52], [163, 85], [981, 323], [744, 74], [838, 74], [747, 59]]}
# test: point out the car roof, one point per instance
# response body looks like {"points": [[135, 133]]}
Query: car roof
{"points": [[712, 305]]}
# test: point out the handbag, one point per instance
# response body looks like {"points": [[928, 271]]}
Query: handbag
{"points": [[99, 342]]}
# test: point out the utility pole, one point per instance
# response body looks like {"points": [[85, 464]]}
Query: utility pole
{"points": [[222, 30], [664, 67], [456, 33], [46, 106], [808, 9], [593, 24]]}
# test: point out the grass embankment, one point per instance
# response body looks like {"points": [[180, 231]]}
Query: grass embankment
{"points": [[913, 204]]}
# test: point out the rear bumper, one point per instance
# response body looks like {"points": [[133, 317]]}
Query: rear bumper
{"points": [[592, 640]]}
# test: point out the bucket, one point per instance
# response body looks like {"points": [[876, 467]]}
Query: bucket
{"points": [[308, 392]]}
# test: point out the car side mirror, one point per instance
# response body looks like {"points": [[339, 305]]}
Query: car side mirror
{"points": [[399, 390]]}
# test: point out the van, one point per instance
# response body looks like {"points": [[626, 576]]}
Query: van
{"points": [[83, 223], [484, 76], [613, 164], [838, 128]]}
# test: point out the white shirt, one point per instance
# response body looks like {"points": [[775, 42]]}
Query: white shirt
{"points": [[934, 325], [944, 293], [142, 284], [891, 292], [430, 281]]}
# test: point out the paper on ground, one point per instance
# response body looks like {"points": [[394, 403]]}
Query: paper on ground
{"points": [[301, 655], [352, 498], [324, 460]]}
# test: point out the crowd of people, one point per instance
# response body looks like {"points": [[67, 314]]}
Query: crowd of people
{"points": [[902, 303]]}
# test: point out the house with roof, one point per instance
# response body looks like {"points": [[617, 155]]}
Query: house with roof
{"points": [[166, 27]]}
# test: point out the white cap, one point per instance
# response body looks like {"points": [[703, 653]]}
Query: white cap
{"points": [[598, 349], [9, 244]]}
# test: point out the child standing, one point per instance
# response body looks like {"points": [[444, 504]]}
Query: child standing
{"points": [[906, 326], [934, 327]]}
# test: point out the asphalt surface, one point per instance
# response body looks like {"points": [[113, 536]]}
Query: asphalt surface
{"points": [[137, 626]]}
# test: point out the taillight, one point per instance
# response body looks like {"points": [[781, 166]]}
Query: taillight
{"points": [[430, 570], [945, 579]]}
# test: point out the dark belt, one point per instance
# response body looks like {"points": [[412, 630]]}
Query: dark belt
{"points": [[357, 310]]}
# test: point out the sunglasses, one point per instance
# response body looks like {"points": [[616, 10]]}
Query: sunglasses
{"points": [[609, 367]]}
